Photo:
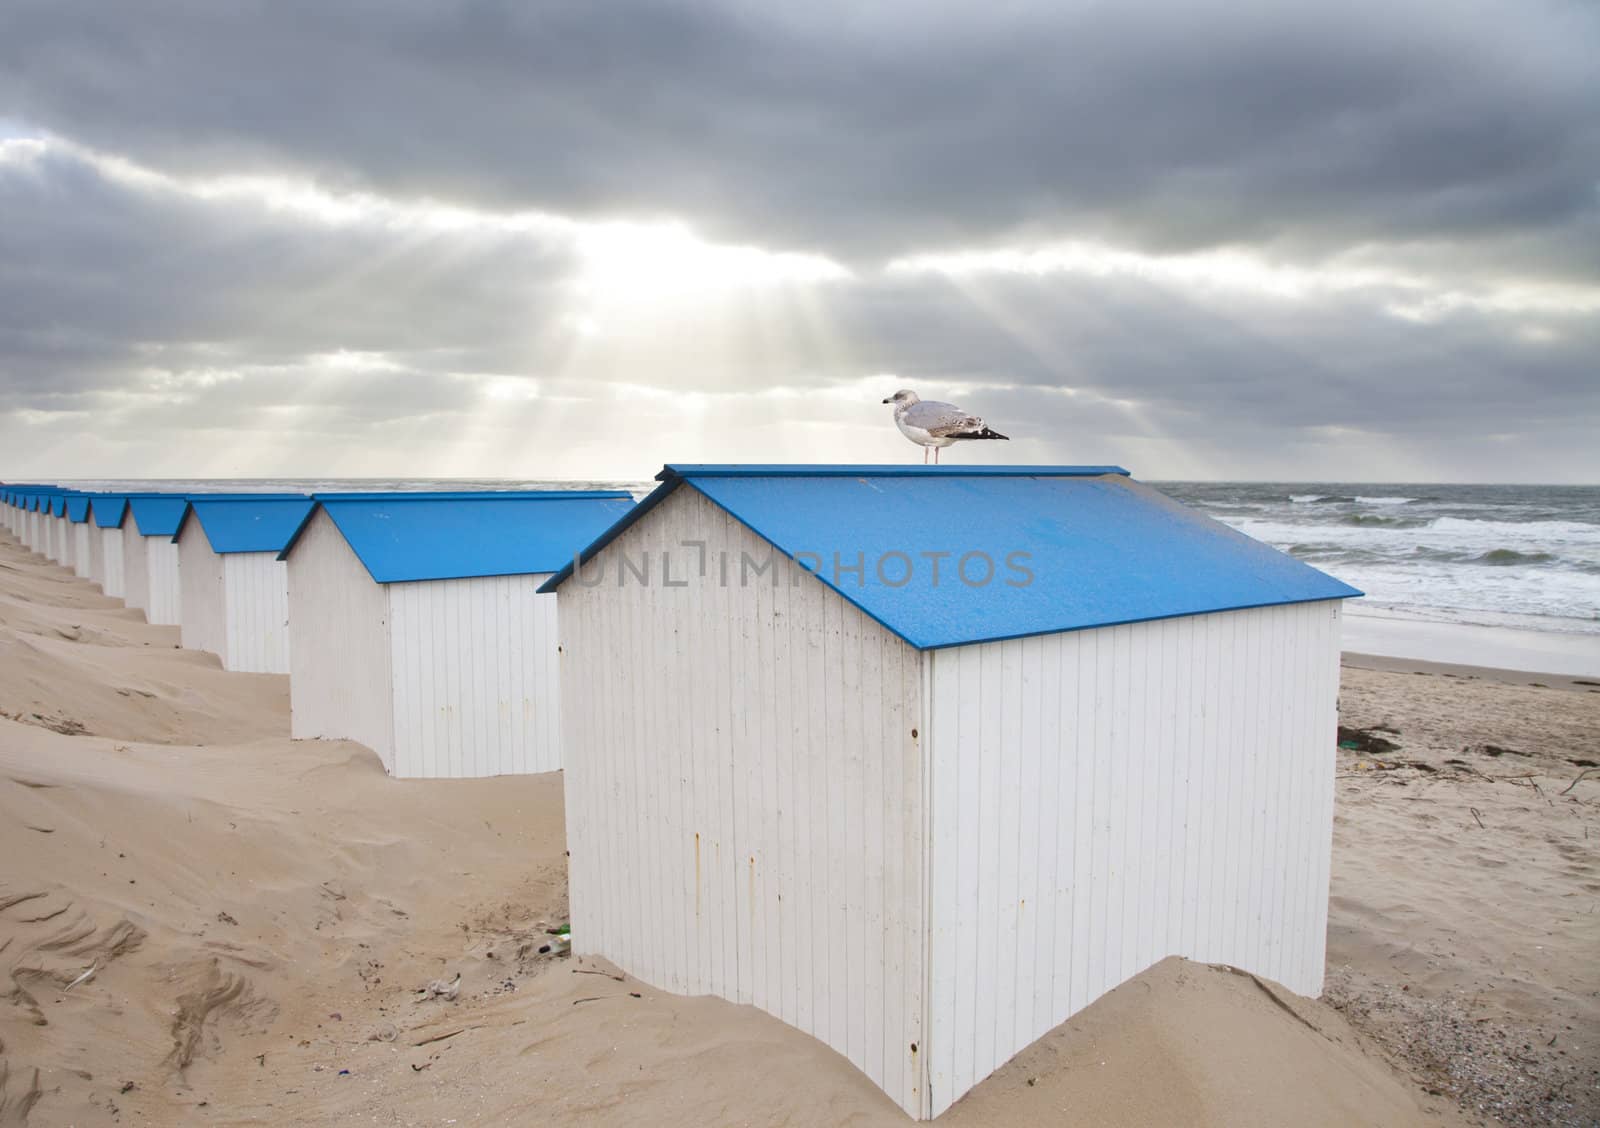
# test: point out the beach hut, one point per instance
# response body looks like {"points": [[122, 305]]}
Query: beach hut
{"points": [[81, 530], [40, 533], [34, 537], [105, 542], [418, 631], [61, 538], [234, 589], [40, 530], [923, 761], [25, 519], [150, 556], [50, 546], [17, 496]]}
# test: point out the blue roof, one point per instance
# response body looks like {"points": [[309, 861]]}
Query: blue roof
{"points": [[401, 537], [107, 510], [1067, 548], [248, 522], [78, 508], [158, 515]]}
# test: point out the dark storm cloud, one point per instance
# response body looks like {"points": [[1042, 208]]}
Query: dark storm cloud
{"points": [[122, 292], [873, 129], [101, 278], [1238, 359]]}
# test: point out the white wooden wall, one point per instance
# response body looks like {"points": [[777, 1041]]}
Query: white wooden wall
{"points": [[340, 686], [135, 567], [204, 625], [166, 591], [1103, 799], [111, 562], [58, 539], [744, 792], [97, 555], [256, 613], [476, 681], [82, 555], [67, 532]]}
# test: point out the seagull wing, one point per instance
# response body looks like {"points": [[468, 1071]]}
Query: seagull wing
{"points": [[942, 420]]}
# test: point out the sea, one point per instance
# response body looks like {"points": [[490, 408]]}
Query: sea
{"points": [[1523, 557], [1521, 560]]}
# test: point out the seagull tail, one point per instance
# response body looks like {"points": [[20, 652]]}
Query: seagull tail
{"points": [[984, 433]]}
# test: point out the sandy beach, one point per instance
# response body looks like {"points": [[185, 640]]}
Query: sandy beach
{"points": [[203, 922]]}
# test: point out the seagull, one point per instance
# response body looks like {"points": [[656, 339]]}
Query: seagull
{"points": [[929, 423]]}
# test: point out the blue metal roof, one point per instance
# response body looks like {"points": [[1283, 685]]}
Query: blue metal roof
{"points": [[78, 508], [880, 470], [158, 515], [248, 522], [107, 509], [1061, 548], [401, 537]]}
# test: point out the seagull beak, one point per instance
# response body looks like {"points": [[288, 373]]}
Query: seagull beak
{"points": [[889, 400]]}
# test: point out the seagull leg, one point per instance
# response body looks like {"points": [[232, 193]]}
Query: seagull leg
{"points": [[924, 456]]}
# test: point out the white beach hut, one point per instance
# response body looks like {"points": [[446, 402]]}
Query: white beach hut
{"points": [[16, 503], [150, 556], [42, 522], [24, 504], [62, 542], [105, 541], [11, 496], [47, 537], [418, 630], [55, 531], [234, 589], [923, 761], [34, 537], [30, 519], [81, 531], [18, 496]]}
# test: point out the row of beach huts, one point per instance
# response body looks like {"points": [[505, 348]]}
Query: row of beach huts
{"points": [[919, 760]]}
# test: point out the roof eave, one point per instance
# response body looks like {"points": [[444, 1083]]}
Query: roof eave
{"points": [[655, 497]]}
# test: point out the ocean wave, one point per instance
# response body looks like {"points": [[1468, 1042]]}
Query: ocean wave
{"points": [[1376, 521], [1510, 558], [1549, 532], [1384, 500]]}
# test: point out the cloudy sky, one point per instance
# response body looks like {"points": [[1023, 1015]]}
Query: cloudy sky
{"points": [[533, 239]]}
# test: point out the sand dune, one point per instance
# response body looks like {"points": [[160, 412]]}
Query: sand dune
{"points": [[204, 922]]}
